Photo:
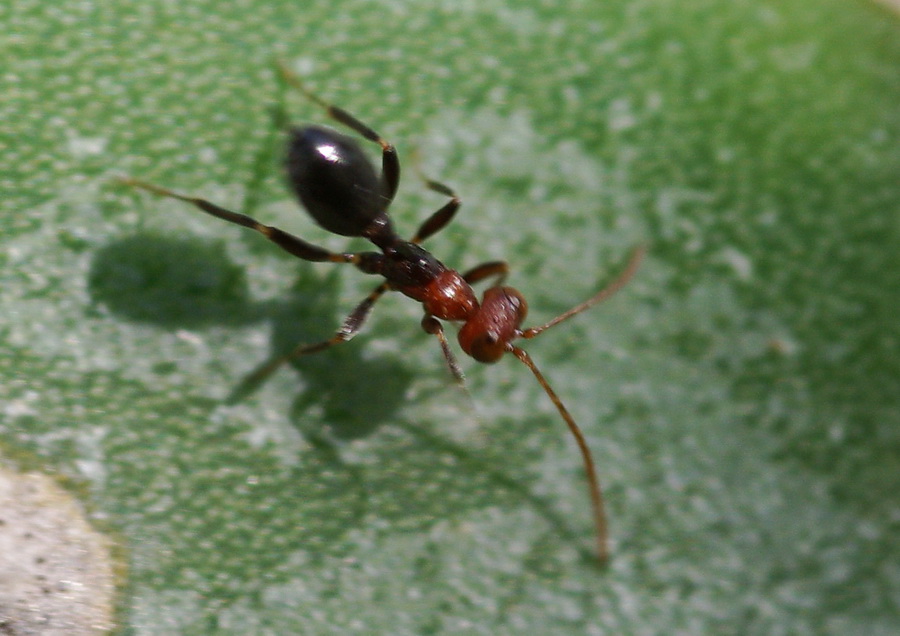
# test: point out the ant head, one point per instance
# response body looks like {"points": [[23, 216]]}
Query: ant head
{"points": [[487, 334]]}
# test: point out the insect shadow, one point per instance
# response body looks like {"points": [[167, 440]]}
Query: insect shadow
{"points": [[178, 283], [174, 283]]}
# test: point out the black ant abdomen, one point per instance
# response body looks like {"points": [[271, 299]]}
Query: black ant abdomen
{"points": [[334, 180]]}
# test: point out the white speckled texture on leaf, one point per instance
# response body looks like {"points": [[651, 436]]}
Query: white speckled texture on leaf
{"points": [[741, 396]]}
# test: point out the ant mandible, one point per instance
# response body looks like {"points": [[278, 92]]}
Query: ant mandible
{"points": [[340, 189]]}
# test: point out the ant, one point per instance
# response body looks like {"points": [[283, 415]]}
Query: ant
{"points": [[338, 186]]}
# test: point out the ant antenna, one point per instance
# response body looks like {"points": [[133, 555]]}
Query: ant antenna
{"points": [[634, 262], [597, 501], [591, 472]]}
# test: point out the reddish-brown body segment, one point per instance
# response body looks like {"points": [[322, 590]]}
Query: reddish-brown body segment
{"points": [[493, 325], [447, 297]]}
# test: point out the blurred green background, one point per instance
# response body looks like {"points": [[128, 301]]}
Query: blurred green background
{"points": [[742, 395]]}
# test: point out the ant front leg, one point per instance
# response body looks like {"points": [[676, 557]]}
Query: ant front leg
{"points": [[351, 326], [390, 162], [499, 269], [288, 242], [432, 325]]}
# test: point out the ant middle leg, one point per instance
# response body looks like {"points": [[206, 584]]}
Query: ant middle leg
{"points": [[351, 326], [390, 162]]}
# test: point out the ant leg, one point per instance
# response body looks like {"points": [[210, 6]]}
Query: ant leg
{"points": [[390, 162], [492, 268], [439, 220], [433, 326], [351, 326], [288, 242], [618, 283], [591, 473]]}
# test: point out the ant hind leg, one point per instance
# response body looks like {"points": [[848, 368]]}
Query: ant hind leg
{"points": [[286, 241]]}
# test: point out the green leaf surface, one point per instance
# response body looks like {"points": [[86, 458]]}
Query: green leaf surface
{"points": [[742, 395]]}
